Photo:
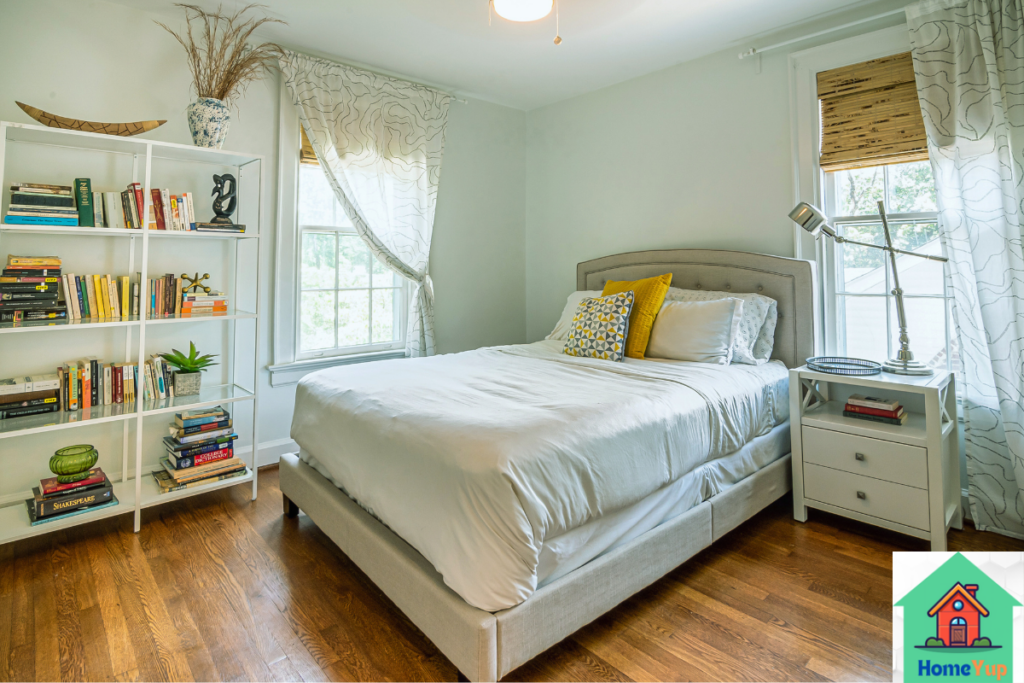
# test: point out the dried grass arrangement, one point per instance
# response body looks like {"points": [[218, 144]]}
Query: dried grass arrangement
{"points": [[222, 62]]}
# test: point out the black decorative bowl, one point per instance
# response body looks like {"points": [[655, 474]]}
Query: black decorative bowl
{"points": [[840, 365]]}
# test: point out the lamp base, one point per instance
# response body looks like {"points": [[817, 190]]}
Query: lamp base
{"points": [[902, 367]]}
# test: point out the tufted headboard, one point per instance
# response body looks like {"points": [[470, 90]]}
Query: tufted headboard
{"points": [[791, 282]]}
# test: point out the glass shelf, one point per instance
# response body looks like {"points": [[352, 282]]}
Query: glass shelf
{"points": [[123, 232], [52, 325]]}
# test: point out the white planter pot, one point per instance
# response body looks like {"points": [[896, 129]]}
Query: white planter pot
{"points": [[208, 119]]}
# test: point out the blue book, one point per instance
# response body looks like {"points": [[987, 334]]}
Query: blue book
{"points": [[39, 220]]}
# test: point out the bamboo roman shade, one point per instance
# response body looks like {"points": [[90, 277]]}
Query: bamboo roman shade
{"points": [[870, 115], [306, 153]]}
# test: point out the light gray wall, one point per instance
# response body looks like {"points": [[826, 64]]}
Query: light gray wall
{"points": [[106, 62], [694, 156]]}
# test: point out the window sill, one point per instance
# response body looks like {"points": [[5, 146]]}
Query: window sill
{"points": [[290, 373]]}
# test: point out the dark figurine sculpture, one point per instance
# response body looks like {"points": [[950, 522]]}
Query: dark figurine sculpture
{"points": [[225, 203]]}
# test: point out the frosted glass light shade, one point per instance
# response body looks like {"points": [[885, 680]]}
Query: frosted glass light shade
{"points": [[523, 10]]}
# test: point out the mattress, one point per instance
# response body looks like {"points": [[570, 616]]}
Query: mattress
{"points": [[479, 459]]}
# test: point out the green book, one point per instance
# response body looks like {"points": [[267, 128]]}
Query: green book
{"points": [[83, 196]]}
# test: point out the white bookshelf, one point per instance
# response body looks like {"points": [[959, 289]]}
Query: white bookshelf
{"points": [[134, 486]]}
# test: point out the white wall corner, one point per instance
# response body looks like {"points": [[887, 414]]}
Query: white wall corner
{"points": [[270, 451]]}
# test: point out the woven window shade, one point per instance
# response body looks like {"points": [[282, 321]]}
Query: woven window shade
{"points": [[306, 153], [870, 115]]}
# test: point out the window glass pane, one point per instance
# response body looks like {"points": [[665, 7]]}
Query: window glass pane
{"points": [[353, 317], [353, 262], [317, 203], [318, 260], [384, 315], [918, 275], [864, 326], [859, 190], [317, 313], [911, 188], [926, 327], [863, 268]]}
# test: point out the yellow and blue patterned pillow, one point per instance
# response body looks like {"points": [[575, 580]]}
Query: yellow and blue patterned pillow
{"points": [[600, 327]]}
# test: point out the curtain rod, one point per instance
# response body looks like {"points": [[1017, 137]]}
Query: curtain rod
{"points": [[754, 51]]}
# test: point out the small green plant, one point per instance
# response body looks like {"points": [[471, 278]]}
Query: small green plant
{"points": [[193, 362], [981, 642], [934, 642]]}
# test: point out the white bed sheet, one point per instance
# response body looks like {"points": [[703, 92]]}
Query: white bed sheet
{"points": [[477, 459]]}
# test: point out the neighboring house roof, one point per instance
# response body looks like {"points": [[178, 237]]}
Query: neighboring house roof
{"points": [[958, 589]]}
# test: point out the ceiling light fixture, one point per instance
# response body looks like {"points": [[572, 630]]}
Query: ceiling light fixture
{"points": [[526, 10]]}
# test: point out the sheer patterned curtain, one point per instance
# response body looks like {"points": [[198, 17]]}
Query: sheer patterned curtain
{"points": [[380, 142], [969, 65]]}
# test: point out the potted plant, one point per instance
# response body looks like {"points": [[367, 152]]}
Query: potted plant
{"points": [[223, 64], [188, 369]]}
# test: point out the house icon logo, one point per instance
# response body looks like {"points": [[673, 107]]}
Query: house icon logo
{"points": [[958, 623]]}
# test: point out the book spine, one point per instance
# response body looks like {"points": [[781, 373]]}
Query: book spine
{"points": [[184, 462], [165, 197], [48, 507], [70, 372], [196, 429], [83, 195], [873, 418], [158, 207], [22, 411], [20, 199], [191, 210], [97, 210], [872, 404], [874, 411]]}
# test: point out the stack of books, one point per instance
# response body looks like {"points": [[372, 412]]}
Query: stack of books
{"points": [[200, 450], [200, 305], [219, 227], [100, 297], [52, 501], [29, 289], [35, 395], [173, 212], [875, 409], [37, 204]]}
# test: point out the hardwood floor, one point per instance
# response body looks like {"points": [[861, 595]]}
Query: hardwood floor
{"points": [[218, 588]]}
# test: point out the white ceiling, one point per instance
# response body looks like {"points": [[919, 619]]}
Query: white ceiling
{"points": [[449, 43]]}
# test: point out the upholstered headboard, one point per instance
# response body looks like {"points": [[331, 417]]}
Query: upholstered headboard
{"points": [[791, 282]]}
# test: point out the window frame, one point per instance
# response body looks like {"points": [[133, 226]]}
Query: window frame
{"points": [[401, 305], [288, 368]]}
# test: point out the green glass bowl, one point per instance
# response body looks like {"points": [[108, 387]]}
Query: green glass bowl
{"points": [[73, 463]]}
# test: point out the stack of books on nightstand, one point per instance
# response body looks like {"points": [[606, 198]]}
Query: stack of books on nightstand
{"points": [[875, 409]]}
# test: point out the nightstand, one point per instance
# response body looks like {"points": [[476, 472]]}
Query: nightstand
{"points": [[901, 477]]}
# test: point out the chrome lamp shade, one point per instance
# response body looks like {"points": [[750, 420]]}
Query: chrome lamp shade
{"points": [[813, 220]]}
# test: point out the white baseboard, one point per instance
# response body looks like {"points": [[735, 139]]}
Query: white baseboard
{"points": [[271, 451]]}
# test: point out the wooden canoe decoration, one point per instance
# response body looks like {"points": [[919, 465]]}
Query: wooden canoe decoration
{"points": [[123, 129]]}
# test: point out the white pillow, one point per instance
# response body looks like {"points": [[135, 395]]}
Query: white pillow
{"points": [[561, 331], [698, 331], [756, 336]]}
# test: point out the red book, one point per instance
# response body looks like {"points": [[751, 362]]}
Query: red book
{"points": [[48, 487], [874, 411], [158, 208], [115, 378], [143, 215]]}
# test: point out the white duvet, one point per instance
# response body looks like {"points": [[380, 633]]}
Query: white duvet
{"points": [[476, 458]]}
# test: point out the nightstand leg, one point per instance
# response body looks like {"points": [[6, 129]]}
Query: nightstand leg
{"points": [[799, 509], [939, 540], [958, 518]]}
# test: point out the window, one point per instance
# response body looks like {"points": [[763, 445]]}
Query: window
{"points": [[865, 310], [349, 302]]}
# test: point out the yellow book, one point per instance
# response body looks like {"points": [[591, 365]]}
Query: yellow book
{"points": [[125, 310], [90, 285], [102, 297], [111, 284]]}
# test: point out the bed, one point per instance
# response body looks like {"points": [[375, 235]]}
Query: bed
{"points": [[505, 497]]}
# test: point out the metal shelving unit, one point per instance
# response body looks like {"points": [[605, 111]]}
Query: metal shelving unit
{"points": [[139, 490]]}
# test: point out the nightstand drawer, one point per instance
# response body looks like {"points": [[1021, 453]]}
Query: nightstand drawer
{"points": [[886, 460], [893, 502]]}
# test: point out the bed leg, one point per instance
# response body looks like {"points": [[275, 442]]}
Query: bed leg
{"points": [[290, 508]]}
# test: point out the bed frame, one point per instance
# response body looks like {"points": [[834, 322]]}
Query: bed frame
{"points": [[485, 646]]}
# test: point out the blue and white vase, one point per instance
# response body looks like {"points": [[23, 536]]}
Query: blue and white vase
{"points": [[208, 119]]}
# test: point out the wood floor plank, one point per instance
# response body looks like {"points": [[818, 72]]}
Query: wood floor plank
{"points": [[218, 587]]}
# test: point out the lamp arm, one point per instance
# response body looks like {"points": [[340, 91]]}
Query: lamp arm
{"points": [[841, 239]]}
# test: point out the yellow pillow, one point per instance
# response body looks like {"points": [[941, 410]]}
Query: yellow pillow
{"points": [[648, 296]]}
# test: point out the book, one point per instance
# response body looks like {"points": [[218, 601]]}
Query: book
{"points": [[39, 220], [874, 411], [18, 316], [71, 296], [14, 385], [126, 208], [34, 521], [49, 288], [125, 304], [47, 382], [33, 261], [113, 211], [873, 402], [23, 411], [33, 199], [168, 484], [71, 373], [21, 402], [83, 197], [41, 188], [29, 296], [187, 461], [140, 201], [876, 418], [191, 210], [30, 271], [23, 396], [48, 506], [95, 310], [186, 223], [179, 432], [158, 207], [202, 471], [200, 417], [28, 280], [97, 210], [172, 445], [219, 227], [51, 487]]}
